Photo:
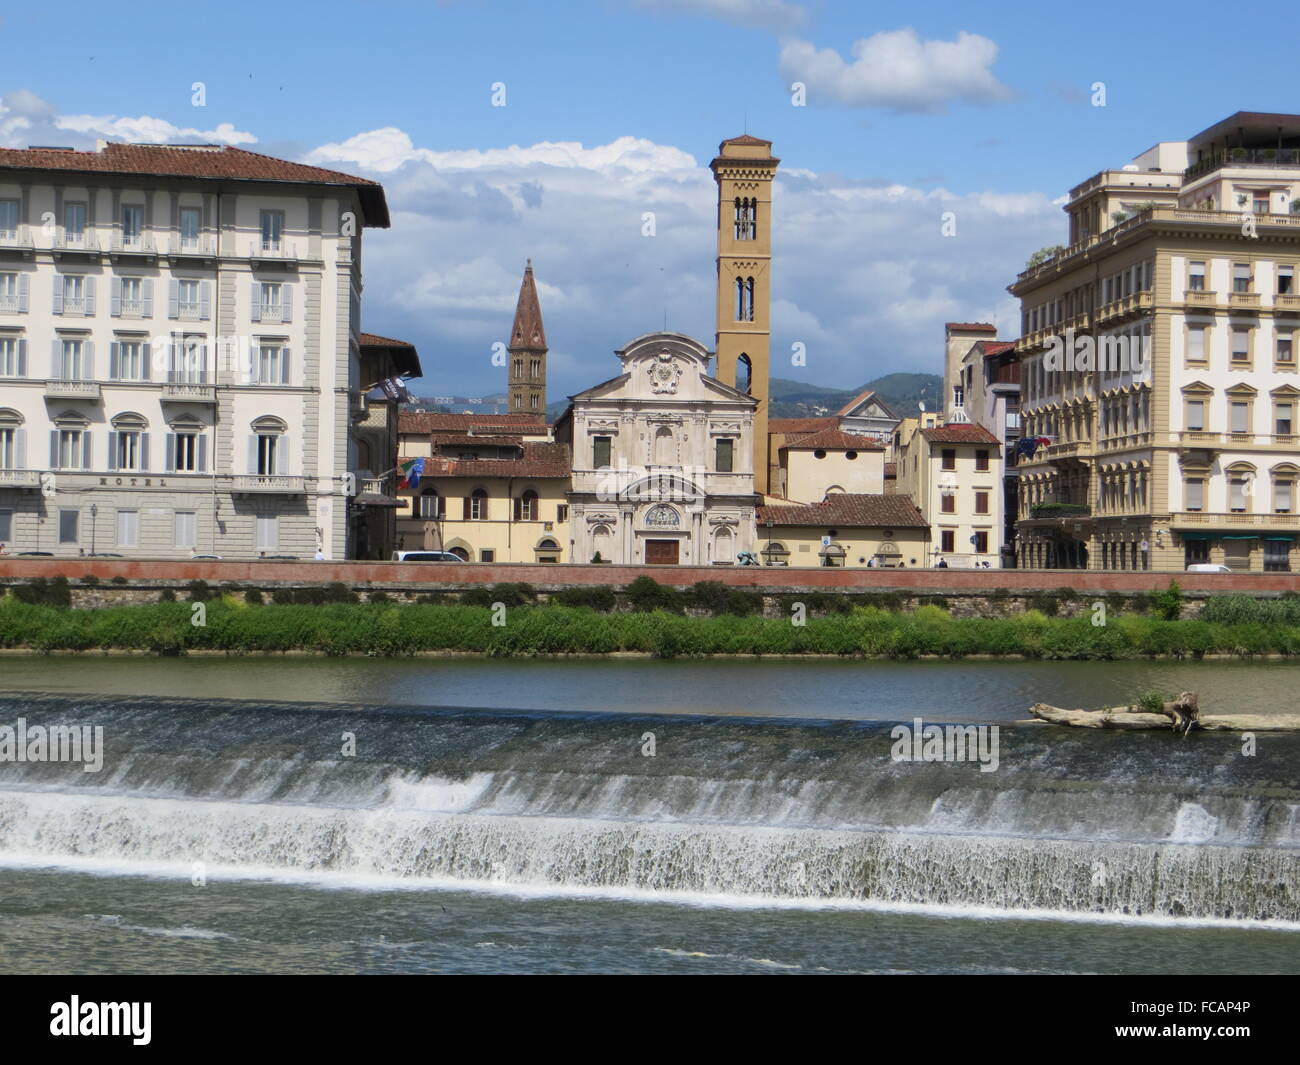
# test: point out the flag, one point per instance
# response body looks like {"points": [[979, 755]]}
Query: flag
{"points": [[411, 473], [395, 388]]}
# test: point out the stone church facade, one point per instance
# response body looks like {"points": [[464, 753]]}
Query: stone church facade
{"points": [[662, 460]]}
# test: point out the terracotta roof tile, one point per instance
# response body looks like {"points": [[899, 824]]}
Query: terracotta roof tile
{"points": [[960, 433], [428, 422], [788, 426], [972, 327], [208, 161], [373, 340], [835, 440], [847, 509], [536, 460], [997, 347]]}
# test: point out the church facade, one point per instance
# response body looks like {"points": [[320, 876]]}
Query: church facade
{"points": [[662, 460]]}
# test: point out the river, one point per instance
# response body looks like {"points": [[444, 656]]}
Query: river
{"points": [[471, 815]]}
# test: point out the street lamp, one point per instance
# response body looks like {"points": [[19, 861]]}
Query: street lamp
{"points": [[94, 509]]}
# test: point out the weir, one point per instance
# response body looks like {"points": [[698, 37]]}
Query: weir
{"points": [[1082, 822]]}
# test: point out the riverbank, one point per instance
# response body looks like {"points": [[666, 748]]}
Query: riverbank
{"points": [[227, 625]]}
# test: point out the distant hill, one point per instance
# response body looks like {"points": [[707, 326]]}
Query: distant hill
{"points": [[902, 391]]}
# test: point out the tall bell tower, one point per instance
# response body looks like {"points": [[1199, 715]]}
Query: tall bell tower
{"points": [[744, 169], [526, 389]]}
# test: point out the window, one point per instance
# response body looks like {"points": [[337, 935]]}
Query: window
{"points": [[981, 543], [1196, 277], [8, 219], [185, 527], [1237, 493], [526, 506], [267, 446], [744, 299], [1196, 415], [1196, 343], [272, 230], [746, 218], [71, 449], [600, 449], [129, 297], [1195, 551], [487, 555], [1277, 556], [128, 528], [949, 458], [1240, 411], [132, 225], [562, 512], [9, 452], [724, 454], [981, 460], [1285, 280], [981, 502], [191, 220], [68, 522], [1240, 345], [1241, 277], [272, 365], [431, 504], [6, 526], [127, 361], [947, 538], [13, 356], [476, 505], [188, 361], [1283, 493], [187, 298], [948, 502], [13, 293], [74, 223], [1284, 351], [267, 532], [273, 302], [1194, 491], [534, 401], [1283, 417], [125, 450], [73, 294], [185, 454]]}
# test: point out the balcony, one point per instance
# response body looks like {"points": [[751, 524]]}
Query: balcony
{"points": [[132, 244], [259, 484], [187, 392], [72, 390], [1243, 301], [1201, 519], [83, 243], [270, 312], [1264, 157], [202, 247], [1039, 511], [9, 304], [17, 239], [1285, 301], [21, 479], [1126, 306], [1200, 297], [278, 252]]}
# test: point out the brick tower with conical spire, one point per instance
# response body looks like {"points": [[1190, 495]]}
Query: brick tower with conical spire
{"points": [[527, 351]]}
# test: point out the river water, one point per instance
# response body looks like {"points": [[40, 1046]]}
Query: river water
{"points": [[470, 815]]}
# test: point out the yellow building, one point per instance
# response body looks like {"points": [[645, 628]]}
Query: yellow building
{"points": [[845, 530]]}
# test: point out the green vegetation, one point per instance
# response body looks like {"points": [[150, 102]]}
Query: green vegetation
{"points": [[1152, 701], [37, 617], [1042, 255]]}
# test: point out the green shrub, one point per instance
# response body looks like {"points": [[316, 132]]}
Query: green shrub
{"points": [[1151, 701], [200, 592], [55, 592], [595, 597], [645, 594], [1044, 604], [254, 596], [1169, 603], [90, 580], [119, 579], [167, 595]]}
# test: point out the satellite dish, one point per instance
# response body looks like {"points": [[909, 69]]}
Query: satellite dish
{"points": [[921, 404]]}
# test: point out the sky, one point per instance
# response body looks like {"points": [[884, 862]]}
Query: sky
{"points": [[504, 131]]}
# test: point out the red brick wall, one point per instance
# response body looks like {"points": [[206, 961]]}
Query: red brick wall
{"points": [[438, 575]]}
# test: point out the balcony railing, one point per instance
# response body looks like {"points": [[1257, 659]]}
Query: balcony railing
{"points": [[269, 484], [270, 312], [1244, 301], [1200, 297], [19, 238], [72, 389], [1256, 521], [9, 304], [185, 392], [274, 250], [76, 242], [1281, 157], [1059, 510], [197, 246], [20, 479], [132, 244], [1286, 301]]}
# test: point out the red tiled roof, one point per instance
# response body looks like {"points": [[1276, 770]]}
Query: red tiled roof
{"points": [[475, 440], [861, 397], [788, 426], [834, 440], [536, 460], [846, 509], [891, 470], [746, 138], [210, 162], [971, 327], [373, 340], [429, 422], [960, 433], [997, 347]]}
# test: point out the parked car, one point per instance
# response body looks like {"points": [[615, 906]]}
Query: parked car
{"points": [[104, 554], [1207, 567], [426, 556], [34, 554], [205, 558], [281, 558]]}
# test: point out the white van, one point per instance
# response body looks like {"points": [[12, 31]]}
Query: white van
{"points": [[1207, 567], [426, 556]]}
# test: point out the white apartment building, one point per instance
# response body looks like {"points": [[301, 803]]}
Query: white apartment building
{"points": [[179, 351], [1190, 455]]}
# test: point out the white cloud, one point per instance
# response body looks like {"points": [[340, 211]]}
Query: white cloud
{"points": [[26, 119], [899, 71], [767, 14]]}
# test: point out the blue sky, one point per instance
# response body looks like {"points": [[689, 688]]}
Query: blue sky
{"points": [[981, 111]]}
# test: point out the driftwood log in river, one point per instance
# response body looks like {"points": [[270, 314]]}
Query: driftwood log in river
{"points": [[1182, 715]]}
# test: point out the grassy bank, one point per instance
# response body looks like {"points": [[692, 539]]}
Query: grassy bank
{"points": [[1234, 626]]}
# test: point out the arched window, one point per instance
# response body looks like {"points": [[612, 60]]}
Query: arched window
{"points": [[268, 447], [662, 516], [744, 374], [432, 505], [13, 440], [128, 443], [547, 550], [476, 505], [746, 218], [526, 506]]}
